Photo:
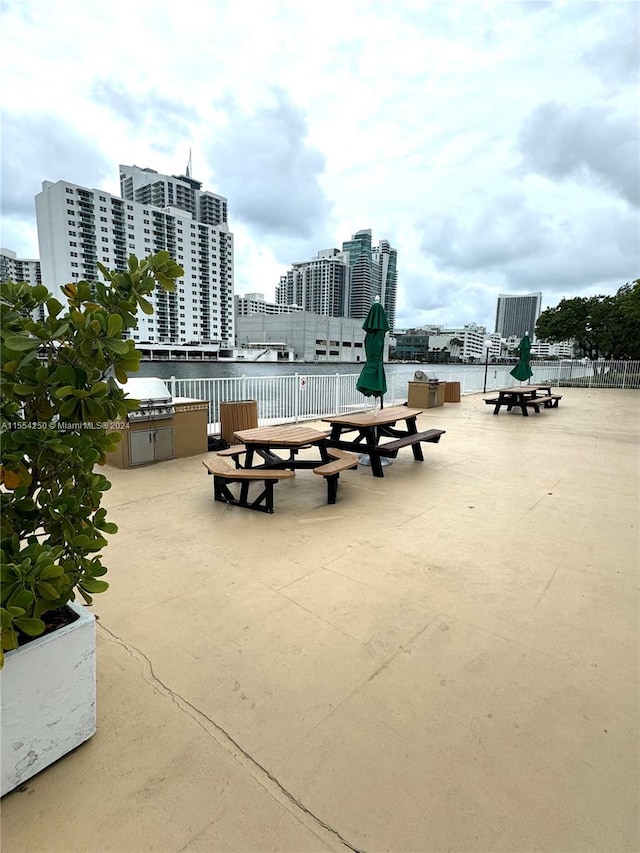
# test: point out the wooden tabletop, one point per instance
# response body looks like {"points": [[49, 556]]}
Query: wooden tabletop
{"points": [[520, 389], [286, 435], [377, 417]]}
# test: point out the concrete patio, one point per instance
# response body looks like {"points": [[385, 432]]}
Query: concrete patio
{"points": [[445, 660]]}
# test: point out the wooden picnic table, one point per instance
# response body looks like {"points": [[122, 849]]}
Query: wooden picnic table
{"points": [[524, 396], [371, 426], [265, 442]]}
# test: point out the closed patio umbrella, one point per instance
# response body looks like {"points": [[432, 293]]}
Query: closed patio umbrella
{"points": [[522, 370], [372, 381]]}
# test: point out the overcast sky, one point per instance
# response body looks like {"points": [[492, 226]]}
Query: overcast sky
{"points": [[495, 144]]}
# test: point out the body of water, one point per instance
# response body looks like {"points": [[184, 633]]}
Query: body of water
{"points": [[230, 370]]}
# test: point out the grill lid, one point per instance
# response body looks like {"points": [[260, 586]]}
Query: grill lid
{"points": [[422, 376], [147, 389], [155, 399]]}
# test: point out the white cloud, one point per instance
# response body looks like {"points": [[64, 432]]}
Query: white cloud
{"points": [[492, 143]]}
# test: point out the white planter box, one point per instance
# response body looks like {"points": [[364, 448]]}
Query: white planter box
{"points": [[48, 698]]}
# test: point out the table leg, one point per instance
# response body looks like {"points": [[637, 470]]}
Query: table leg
{"points": [[374, 458], [412, 429]]}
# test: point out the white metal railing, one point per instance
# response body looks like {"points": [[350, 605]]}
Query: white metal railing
{"points": [[300, 396]]}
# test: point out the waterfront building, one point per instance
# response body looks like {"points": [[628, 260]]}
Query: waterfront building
{"points": [[364, 274], [518, 315], [457, 343], [255, 303], [79, 227], [373, 272], [319, 285], [563, 349], [311, 337], [386, 260], [412, 345], [344, 283]]}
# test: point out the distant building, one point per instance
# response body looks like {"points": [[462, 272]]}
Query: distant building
{"points": [[564, 349], [13, 268], [344, 283], [313, 338], [79, 227], [319, 285], [387, 260], [458, 343], [255, 303], [373, 272], [412, 345], [518, 315]]}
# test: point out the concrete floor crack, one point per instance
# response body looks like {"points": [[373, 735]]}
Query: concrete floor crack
{"points": [[205, 722]]}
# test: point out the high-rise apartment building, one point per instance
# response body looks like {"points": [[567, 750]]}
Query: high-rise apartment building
{"points": [[319, 286], [344, 283], [13, 268], [364, 275], [77, 227], [517, 315], [386, 260]]}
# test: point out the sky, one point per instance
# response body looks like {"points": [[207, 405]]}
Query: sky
{"points": [[494, 144]]}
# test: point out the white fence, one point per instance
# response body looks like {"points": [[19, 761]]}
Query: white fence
{"points": [[300, 396]]}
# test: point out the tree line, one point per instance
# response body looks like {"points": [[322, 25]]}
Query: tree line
{"points": [[603, 326]]}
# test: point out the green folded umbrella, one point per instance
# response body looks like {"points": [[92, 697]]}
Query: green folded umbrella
{"points": [[522, 370], [372, 381]]}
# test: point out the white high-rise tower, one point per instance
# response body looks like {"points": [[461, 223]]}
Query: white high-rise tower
{"points": [[78, 226]]}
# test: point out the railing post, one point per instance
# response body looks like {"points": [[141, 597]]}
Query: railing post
{"points": [[296, 399]]}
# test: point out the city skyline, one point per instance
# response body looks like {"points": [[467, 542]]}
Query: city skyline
{"points": [[494, 145], [344, 282]]}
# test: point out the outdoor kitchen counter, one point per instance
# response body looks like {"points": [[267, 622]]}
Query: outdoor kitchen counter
{"points": [[190, 426], [183, 434]]}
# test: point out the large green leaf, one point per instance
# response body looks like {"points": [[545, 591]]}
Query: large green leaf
{"points": [[21, 343], [93, 585], [31, 627]]}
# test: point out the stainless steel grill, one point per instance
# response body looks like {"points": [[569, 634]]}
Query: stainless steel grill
{"points": [[423, 376], [156, 402]]}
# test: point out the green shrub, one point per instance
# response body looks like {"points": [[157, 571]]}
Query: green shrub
{"points": [[58, 393]]}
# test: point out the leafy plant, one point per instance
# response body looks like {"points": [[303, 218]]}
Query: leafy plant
{"points": [[603, 326], [58, 395]]}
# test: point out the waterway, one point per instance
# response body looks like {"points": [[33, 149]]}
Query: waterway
{"points": [[228, 369]]}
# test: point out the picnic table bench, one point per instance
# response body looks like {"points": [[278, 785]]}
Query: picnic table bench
{"points": [[224, 475], [391, 448], [550, 401], [341, 461], [235, 452]]}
